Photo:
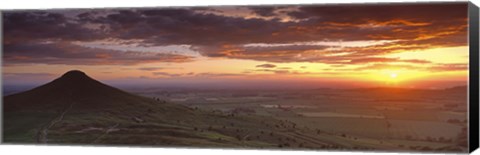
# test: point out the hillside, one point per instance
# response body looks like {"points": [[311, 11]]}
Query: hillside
{"points": [[76, 109]]}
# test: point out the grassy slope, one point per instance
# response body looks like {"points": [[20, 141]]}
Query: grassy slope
{"points": [[104, 115]]}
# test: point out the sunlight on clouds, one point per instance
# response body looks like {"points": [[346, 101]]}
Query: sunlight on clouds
{"points": [[322, 43], [437, 55], [132, 45], [338, 43]]}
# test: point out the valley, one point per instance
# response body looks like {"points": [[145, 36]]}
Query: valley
{"points": [[78, 110]]}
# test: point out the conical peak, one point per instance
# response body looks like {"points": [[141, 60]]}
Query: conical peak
{"points": [[76, 80], [74, 74]]}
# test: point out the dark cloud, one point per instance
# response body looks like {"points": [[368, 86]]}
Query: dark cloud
{"points": [[192, 74], [208, 74], [281, 71], [448, 67], [380, 59], [151, 68], [184, 26], [28, 75], [287, 53], [266, 66], [265, 11], [71, 54], [20, 26], [409, 26], [167, 74], [419, 14]]}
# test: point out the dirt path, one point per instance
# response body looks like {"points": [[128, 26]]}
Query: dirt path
{"points": [[308, 138], [110, 129], [42, 135]]}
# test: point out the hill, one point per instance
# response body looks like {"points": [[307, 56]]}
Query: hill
{"points": [[76, 109]]}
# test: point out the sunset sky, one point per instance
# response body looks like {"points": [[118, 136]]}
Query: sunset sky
{"points": [[314, 46]]}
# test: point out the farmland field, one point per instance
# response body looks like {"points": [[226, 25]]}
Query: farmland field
{"points": [[356, 118]]}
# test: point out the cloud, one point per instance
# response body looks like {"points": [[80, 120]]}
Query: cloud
{"points": [[448, 67], [151, 68], [407, 26], [28, 74], [71, 54], [267, 11], [167, 74], [26, 78], [266, 66], [281, 71], [380, 66], [381, 59], [209, 74], [192, 74], [391, 14], [434, 67], [22, 26]]}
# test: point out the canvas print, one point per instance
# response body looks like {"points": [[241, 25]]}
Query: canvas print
{"points": [[375, 77]]}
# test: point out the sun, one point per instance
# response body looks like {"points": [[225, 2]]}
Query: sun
{"points": [[393, 75]]}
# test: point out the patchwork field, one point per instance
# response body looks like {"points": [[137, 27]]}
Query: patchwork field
{"points": [[423, 120], [362, 119]]}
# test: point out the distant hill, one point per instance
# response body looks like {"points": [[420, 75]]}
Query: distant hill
{"points": [[76, 109], [457, 88], [72, 87], [404, 88]]}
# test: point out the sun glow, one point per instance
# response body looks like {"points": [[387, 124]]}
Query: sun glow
{"points": [[393, 75]]}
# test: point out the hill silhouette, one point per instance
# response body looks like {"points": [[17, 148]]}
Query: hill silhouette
{"points": [[77, 109], [73, 86]]}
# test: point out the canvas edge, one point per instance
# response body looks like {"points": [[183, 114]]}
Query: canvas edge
{"points": [[1, 76], [473, 29]]}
